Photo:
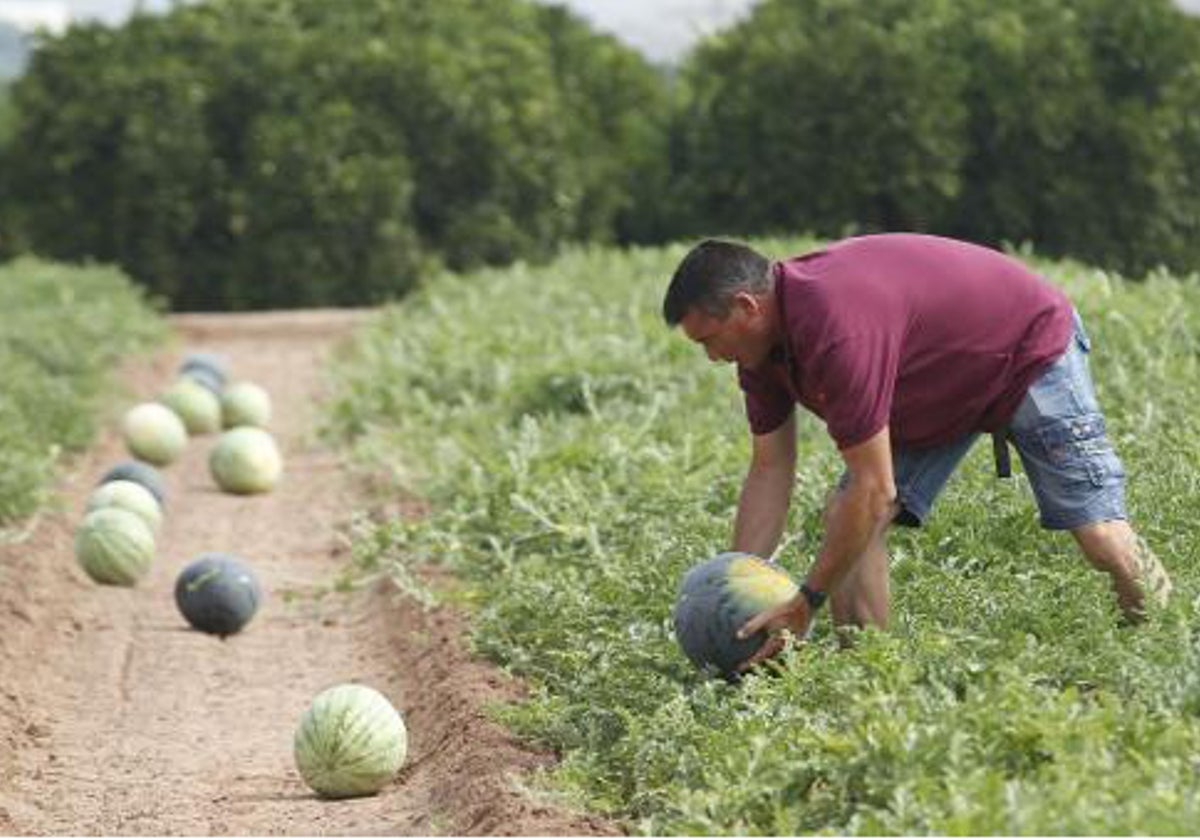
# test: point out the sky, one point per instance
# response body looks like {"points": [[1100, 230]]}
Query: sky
{"points": [[663, 29]]}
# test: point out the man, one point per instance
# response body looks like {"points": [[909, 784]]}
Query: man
{"points": [[908, 347]]}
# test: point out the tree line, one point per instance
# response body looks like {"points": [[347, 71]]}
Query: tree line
{"points": [[234, 155]]}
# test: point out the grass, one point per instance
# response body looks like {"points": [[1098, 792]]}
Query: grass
{"points": [[578, 457], [63, 330]]}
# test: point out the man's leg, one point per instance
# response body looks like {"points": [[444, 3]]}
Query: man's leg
{"points": [[1079, 481], [1136, 573]]}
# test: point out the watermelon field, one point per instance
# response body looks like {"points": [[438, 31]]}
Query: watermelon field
{"points": [[489, 495], [578, 458]]}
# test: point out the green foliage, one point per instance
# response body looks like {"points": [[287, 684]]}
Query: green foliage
{"points": [[825, 113], [1071, 125], [8, 243], [579, 457], [296, 152], [63, 330], [6, 113]]}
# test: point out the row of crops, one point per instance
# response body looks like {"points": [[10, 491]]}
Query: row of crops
{"points": [[350, 741], [62, 332], [579, 458]]}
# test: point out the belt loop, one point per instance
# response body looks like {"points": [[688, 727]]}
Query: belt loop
{"points": [[1000, 452]]}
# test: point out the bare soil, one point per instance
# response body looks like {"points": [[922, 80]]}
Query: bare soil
{"points": [[118, 719]]}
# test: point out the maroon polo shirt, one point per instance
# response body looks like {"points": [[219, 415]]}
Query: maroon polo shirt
{"points": [[931, 337]]}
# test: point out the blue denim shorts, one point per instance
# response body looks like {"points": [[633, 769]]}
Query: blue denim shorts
{"points": [[1058, 432]]}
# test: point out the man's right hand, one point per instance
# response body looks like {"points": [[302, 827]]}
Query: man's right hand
{"points": [[790, 620]]}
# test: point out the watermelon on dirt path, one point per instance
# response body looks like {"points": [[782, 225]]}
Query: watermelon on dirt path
{"points": [[218, 593]]}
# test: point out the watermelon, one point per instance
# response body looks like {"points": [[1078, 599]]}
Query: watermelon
{"points": [[154, 433], [245, 404], [143, 474], [212, 365], [350, 742], [197, 407], [205, 378], [130, 496], [114, 546], [716, 598], [217, 593], [245, 460]]}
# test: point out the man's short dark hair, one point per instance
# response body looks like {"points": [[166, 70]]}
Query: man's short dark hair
{"points": [[710, 275]]}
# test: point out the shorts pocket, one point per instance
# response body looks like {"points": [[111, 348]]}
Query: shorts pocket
{"points": [[1080, 449]]}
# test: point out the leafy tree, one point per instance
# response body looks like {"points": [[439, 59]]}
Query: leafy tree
{"points": [[1078, 130], [1067, 123], [290, 152], [822, 113]]}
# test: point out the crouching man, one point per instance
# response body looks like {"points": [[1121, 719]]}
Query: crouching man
{"points": [[909, 347]]}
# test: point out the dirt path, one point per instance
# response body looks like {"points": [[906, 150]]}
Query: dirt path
{"points": [[115, 718]]}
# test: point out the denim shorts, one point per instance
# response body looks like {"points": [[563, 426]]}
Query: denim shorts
{"points": [[1058, 432]]}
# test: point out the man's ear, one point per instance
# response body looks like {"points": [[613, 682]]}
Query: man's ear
{"points": [[747, 303]]}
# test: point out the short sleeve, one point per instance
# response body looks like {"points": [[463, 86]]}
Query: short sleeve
{"points": [[768, 402]]}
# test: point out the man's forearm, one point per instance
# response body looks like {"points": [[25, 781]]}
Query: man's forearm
{"points": [[762, 510], [856, 516]]}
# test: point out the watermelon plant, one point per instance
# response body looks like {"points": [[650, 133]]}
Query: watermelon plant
{"points": [[143, 474], [63, 331], [350, 742], [218, 593], [114, 546], [716, 598], [245, 460], [570, 490], [130, 496], [154, 433]]}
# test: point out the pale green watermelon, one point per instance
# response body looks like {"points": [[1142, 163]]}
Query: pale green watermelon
{"points": [[350, 742], [245, 404], [154, 433], [114, 546], [197, 407], [130, 496], [245, 460]]}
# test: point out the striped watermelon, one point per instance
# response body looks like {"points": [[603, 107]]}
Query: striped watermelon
{"points": [[114, 546], [350, 742]]}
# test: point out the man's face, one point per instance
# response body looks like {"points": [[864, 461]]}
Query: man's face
{"points": [[741, 337]]}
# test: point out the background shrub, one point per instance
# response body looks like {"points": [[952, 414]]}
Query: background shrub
{"points": [[243, 155], [1068, 124]]}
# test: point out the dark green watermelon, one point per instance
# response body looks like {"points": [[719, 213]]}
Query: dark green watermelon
{"points": [[205, 378], [209, 369], [138, 472], [716, 598], [218, 593]]}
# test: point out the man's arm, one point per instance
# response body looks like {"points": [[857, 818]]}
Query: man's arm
{"points": [[767, 491], [867, 504]]}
